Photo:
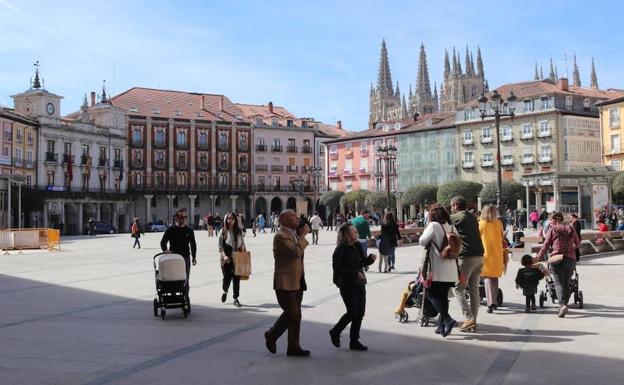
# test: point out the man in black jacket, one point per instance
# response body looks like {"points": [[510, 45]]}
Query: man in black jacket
{"points": [[180, 236]]}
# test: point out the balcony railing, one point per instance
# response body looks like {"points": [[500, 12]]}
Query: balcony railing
{"points": [[545, 159], [333, 174], [243, 167], [67, 157], [203, 166], [292, 168], [306, 149], [527, 159], [203, 146], [223, 147], [347, 172], [292, 149], [506, 138], [486, 139], [468, 142], [276, 148], [467, 164], [507, 161], [544, 133], [85, 160], [136, 143], [181, 166], [51, 157], [181, 146], [363, 171], [277, 168], [527, 135], [159, 144], [487, 163], [363, 152], [117, 164], [102, 162], [160, 165], [348, 154], [137, 164], [223, 167], [262, 167], [261, 147], [333, 155], [243, 147]]}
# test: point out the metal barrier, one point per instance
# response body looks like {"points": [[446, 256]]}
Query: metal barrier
{"points": [[35, 238]]}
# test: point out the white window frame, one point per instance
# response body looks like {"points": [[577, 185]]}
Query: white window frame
{"points": [[507, 133], [617, 147], [486, 135], [544, 128], [468, 137], [527, 130], [614, 117]]}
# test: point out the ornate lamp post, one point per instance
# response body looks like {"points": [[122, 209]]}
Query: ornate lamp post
{"points": [[387, 153], [498, 107], [316, 172]]}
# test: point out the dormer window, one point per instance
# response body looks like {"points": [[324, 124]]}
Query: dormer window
{"points": [[258, 121], [274, 122], [290, 123], [304, 123]]}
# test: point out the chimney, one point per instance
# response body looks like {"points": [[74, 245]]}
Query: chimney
{"points": [[271, 107], [563, 84], [92, 98], [339, 125], [221, 103], [415, 116]]}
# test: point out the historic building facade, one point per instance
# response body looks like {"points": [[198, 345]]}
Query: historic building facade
{"points": [[79, 160], [611, 132], [459, 86], [555, 128]]}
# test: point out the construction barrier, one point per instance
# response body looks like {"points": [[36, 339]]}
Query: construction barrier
{"points": [[18, 239]]}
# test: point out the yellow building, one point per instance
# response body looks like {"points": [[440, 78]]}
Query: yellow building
{"points": [[18, 145], [611, 132]]}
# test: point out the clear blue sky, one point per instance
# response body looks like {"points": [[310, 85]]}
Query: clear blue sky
{"points": [[315, 58]]}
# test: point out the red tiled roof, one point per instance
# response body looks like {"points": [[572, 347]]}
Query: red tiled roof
{"points": [[614, 100], [330, 130], [262, 110], [177, 104]]}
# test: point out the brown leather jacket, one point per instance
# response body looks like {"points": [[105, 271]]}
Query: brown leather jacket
{"points": [[288, 253]]}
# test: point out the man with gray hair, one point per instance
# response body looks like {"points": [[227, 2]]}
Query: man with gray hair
{"points": [[289, 282], [470, 262]]}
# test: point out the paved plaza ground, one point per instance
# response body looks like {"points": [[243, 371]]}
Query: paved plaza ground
{"points": [[84, 316]]}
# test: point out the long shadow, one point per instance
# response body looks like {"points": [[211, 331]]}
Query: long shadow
{"points": [[63, 335]]}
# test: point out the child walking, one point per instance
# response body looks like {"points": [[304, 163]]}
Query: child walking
{"points": [[528, 278]]}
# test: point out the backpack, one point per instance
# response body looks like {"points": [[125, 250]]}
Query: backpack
{"points": [[451, 246]]}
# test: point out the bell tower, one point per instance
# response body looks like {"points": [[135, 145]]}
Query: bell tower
{"points": [[37, 102]]}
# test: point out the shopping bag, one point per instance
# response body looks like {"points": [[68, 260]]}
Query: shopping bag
{"points": [[242, 263]]}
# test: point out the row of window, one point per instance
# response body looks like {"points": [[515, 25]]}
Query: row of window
{"points": [[181, 138], [507, 132], [182, 180], [545, 155], [379, 185], [333, 149], [363, 167], [86, 154]]}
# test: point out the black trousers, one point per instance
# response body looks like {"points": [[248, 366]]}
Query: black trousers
{"points": [[290, 319], [354, 298], [228, 277], [438, 296], [530, 300]]}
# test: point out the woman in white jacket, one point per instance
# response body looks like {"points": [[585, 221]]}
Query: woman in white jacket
{"points": [[442, 272]]}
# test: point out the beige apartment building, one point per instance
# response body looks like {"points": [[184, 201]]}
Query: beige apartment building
{"points": [[611, 132]]}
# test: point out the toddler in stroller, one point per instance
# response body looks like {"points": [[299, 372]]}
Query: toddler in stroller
{"points": [[170, 274], [414, 297]]}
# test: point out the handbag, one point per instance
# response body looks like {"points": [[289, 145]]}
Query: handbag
{"points": [[555, 259], [242, 263]]}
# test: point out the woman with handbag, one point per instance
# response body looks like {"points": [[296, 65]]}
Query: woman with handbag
{"points": [[135, 232], [348, 263], [439, 274], [492, 238], [561, 241], [230, 240]]}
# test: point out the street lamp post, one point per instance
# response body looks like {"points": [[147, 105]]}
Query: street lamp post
{"points": [[316, 172], [387, 153], [498, 106]]}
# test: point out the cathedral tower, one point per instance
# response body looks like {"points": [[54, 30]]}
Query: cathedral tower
{"points": [[423, 101], [385, 102], [460, 87]]}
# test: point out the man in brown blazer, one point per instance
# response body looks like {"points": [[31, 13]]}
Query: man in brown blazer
{"points": [[289, 283]]}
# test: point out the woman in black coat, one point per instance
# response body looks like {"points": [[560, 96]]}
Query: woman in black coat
{"points": [[348, 264], [390, 235]]}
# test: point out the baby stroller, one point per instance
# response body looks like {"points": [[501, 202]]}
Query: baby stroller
{"points": [[170, 273], [414, 296], [499, 293], [549, 290]]}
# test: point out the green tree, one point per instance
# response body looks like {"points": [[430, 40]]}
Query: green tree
{"points": [[355, 199], [421, 194], [378, 200], [617, 188], [468, 189], [331, 200], [510, 193]]}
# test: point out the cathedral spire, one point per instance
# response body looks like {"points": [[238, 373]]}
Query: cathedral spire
{"points": [[397, 91], [435, 93], [404, 112], [576, 77], [447, 65], [541, 72], [410, 93], [36, 84], [536, 76], [472, 67], [467, 62], [423, 87], [480, 63], [459, 67], [384, 78], [454, 70], [594, 78], [552, 76]]}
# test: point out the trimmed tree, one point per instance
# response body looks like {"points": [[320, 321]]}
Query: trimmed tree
{"points": [[331, 200], [468, 189], [378, 200], [421, 194], [510, 193], [617, 188], [355, 199]]}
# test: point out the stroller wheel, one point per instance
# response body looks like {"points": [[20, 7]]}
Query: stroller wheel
{"points": [[405, 317], [163, 313], [424, 321], [398, 317], [185, 312], [580, 299], [155, 307], [541, 299], [499, 297]]}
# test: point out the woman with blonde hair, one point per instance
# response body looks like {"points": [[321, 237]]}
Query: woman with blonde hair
{"points": [[491, 231]]}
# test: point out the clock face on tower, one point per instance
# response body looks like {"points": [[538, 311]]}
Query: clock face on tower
{"points": [[50, 108]]}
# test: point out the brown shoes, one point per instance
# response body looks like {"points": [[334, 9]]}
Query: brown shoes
{"points": [[469, 325]]}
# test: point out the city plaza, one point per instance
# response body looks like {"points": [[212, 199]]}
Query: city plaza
{"points": [[84, 316]]}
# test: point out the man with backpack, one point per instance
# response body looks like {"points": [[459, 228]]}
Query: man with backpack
{"points": [[470, 262]]}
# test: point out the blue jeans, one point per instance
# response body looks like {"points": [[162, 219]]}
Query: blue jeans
{"points": [[391, 256], [364, 244]]}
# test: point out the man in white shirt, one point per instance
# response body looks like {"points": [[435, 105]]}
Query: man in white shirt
{"points": [[315, 223]]}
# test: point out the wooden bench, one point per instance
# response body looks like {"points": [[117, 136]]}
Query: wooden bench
{"points": [[591, 242], [408, 235]]}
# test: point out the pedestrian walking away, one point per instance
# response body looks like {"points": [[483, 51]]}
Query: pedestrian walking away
{"points": [[441, 273], [491, 232], [470, 261], [135, 232], [363, 228], [390, 237], [289, 283], [560, 240], [231, 239], [315, 224], [180, 239], [348, 263]]}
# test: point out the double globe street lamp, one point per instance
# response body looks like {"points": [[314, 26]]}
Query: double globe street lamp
{"points": [[387, 153], [497, 107]]}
